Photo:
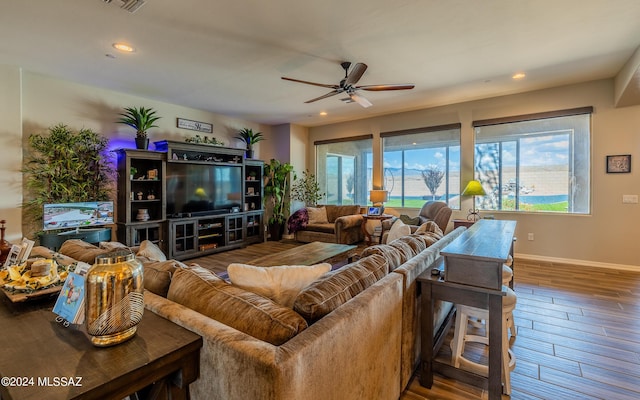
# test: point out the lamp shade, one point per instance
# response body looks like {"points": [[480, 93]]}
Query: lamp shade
{"points": [[474, 188], [378, 196]]}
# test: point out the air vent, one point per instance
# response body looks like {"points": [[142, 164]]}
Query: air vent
{"points": [[132, 5]]}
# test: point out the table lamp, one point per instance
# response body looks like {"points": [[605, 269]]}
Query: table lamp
{"points": [[378, 198], [474, 188]]}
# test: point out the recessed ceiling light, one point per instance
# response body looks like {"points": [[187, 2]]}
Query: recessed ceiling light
{"points": [[323, 113], [519, 75], [124, 47]]}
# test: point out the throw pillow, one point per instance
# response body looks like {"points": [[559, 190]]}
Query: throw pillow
{"points": [[157, 275], [281, 283], [149, 250], [317, 215], [391, 254], [200, 290], [430, 226], [339, 286], [81, 250], [298, 220], [409, 220], [398, 229], [113, 246]]}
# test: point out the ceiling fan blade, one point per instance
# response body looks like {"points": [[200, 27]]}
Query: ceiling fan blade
{"points": [[331, 93], [403, 86], [360, 100], [356, 73], [311, 83]]}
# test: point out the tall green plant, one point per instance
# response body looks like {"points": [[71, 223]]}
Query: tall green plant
{"points": [[65, 166], [307, 189], [277, 177]]}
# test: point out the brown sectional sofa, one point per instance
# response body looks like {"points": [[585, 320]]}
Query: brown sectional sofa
{"points": [[352, 334]]}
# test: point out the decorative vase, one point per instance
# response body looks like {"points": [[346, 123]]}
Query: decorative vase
{"points": [[143, 214], [142, 143], [5, 246], [248, 154], [114, 298]]}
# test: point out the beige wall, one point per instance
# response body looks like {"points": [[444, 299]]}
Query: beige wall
{"points": [[11, 151], [607, 236]]}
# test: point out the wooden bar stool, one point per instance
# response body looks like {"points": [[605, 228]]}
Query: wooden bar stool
{"points": [[466, 315]]}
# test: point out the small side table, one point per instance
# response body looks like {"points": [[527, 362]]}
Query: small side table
{"points": [[365, 218], [462, 222]]}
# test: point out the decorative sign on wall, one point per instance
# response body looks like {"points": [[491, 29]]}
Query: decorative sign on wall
{"points": [[195, 125], [619, 164]]}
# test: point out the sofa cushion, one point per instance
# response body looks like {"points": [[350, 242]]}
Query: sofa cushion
{"points": [[405, 251], [324, 228], [202, 291], [149, 250], [430, 227], [334, 211], [398, 229], [427, 238], [157, 275], [339, 286], [81, 250], [280, 283], [390, 253], [113, 246], [317, 215], [416, 244]]}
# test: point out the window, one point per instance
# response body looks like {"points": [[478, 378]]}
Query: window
{"points": [[344, 168], [422, 164], [535, 163]]}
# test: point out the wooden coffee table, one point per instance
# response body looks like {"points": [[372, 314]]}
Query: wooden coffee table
{"points": [[308, 254], [48, 361]]}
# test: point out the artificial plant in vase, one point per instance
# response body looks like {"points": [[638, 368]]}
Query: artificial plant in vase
{"points": [[249, 137], [307, 190], [65, 166], [277, 176], [141, 119]]}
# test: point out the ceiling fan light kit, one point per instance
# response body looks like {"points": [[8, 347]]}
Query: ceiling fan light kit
{"points": [[347, 85]]}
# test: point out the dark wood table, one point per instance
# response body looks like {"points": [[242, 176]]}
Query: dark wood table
{"points": [[308, 254], [487, 244], [41, 359]]}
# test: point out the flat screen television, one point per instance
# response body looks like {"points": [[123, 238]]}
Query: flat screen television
{"points": [[200, 189], [77, 215]]}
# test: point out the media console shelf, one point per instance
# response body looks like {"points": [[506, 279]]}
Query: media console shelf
{"points": [[199, 198]]}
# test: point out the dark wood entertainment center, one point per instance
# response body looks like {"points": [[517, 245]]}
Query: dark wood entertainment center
{"points": [[145, 208]]}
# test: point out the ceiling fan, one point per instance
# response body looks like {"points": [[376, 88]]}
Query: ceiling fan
{"points": [[348, 85]]}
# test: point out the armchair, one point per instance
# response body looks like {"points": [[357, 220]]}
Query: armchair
{"points": [[436, 211]]}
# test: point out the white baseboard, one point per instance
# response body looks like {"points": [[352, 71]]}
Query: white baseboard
{"points": [[586, 263]]}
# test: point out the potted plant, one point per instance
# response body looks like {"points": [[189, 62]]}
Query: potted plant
{"points": [[276, 190], [307, 190], [133, 171], [65, 166], [141, 119], [249, 137]]}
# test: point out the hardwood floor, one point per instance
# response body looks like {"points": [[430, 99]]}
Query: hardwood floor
{"points": [[578, 332]]}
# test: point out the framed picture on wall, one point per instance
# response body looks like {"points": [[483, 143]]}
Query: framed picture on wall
{"points": [[619, 164]]}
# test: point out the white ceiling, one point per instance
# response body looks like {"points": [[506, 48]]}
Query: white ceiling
{"points": [[227, 56]]}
